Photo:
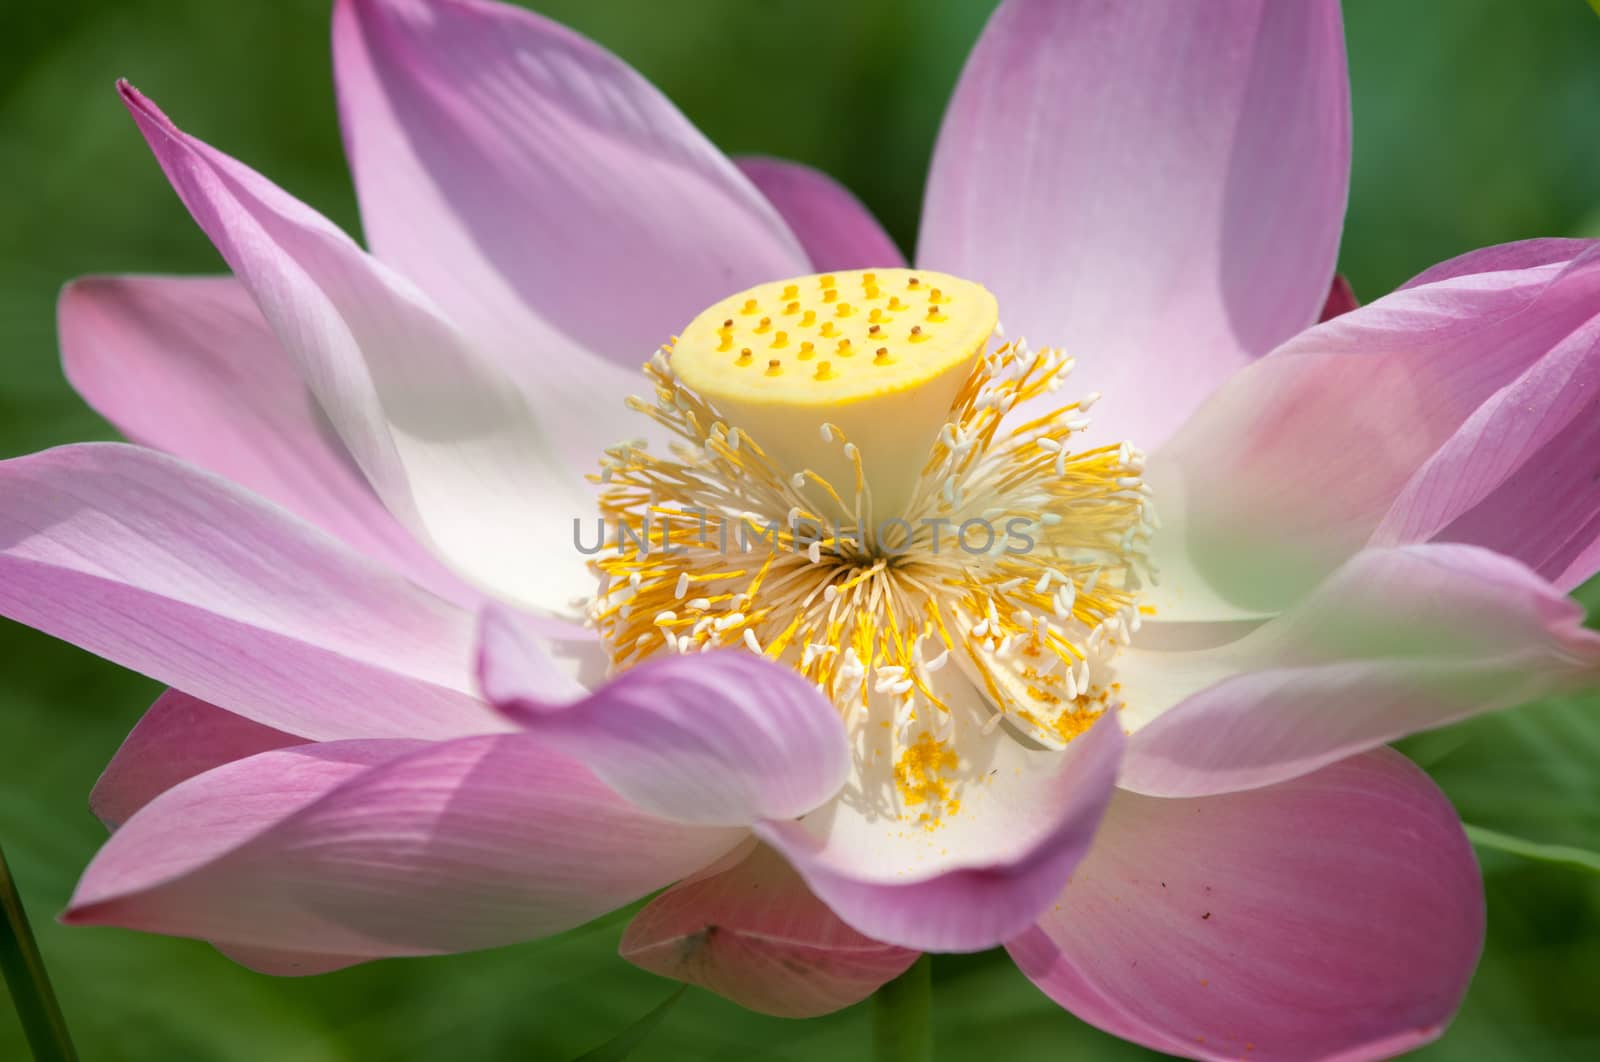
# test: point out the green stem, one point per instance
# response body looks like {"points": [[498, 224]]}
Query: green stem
{"points": [[901, 1013], [30, 985]]}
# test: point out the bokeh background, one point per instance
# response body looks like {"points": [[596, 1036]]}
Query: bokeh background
{"points": [[1476, 122]]}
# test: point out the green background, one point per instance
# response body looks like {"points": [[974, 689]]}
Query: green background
{"points": [[1476, 122]]}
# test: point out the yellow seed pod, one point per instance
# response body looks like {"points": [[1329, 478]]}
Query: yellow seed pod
{"points": [[890, 404]]}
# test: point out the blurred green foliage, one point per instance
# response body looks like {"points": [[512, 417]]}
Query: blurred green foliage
{"points": [[1475, 124]]}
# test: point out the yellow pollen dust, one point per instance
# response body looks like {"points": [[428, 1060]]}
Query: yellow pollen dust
{"points": [[764, 526], [922, 774]]}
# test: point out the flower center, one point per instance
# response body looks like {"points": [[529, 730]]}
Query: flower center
{"points": [[866, 485]]}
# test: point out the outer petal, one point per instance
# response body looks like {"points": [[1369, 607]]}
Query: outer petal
{"points": [[751, 931], [1337, 916], [977, 878], [178, 738], [371, 848], [836, 230], [1395, 642], [188, 365], [172, 572], [539, 186], [288, 963], [720, 739], [1293, 465], [1583, 568], [1503, 257], [1159, 189], [475, 475], [1522, 474]]}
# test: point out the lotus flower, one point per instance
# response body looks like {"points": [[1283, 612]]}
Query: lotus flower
{"points": [[411, 714]]}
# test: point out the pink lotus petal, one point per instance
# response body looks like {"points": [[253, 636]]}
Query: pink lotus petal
{"points": [[288, 963], [719, 738], [184, 577], [750, 931], [1503, 257], [1341, 300], [992, 867], [837, 231], [1519, 475], [539, 186], [178, 738], [361, 849], [1156, 188], [476, 477], [1337, 916], [1394, 642], [1583, 568], [188, 365], [1291, 467]]}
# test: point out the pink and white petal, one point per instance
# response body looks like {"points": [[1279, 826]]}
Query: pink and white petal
{"points": [[836, 229], [720, 738], [363, 849], [750, 931], [1336, 916], [1290, 468], [188, 365], [975, 875], [477, 477], [1521, 476], [542, 190], [1341, 300], [1157, 189], [184, 577], [1396, 641], [179, 737]]}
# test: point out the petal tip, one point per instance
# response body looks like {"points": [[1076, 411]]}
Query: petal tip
{"points": [[152, 120], [134, 99]]}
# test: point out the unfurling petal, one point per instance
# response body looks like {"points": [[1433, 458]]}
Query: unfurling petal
{"points": [[476, 476], [1156, 188], [719, 738], [179, 737], [1521, 475], [1364, 423], [751, 931], [1337, 916], [184, 577], [833, 226], [362, 849], [1396, 641], [988, 871], [188, 365], [537, 185]]}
